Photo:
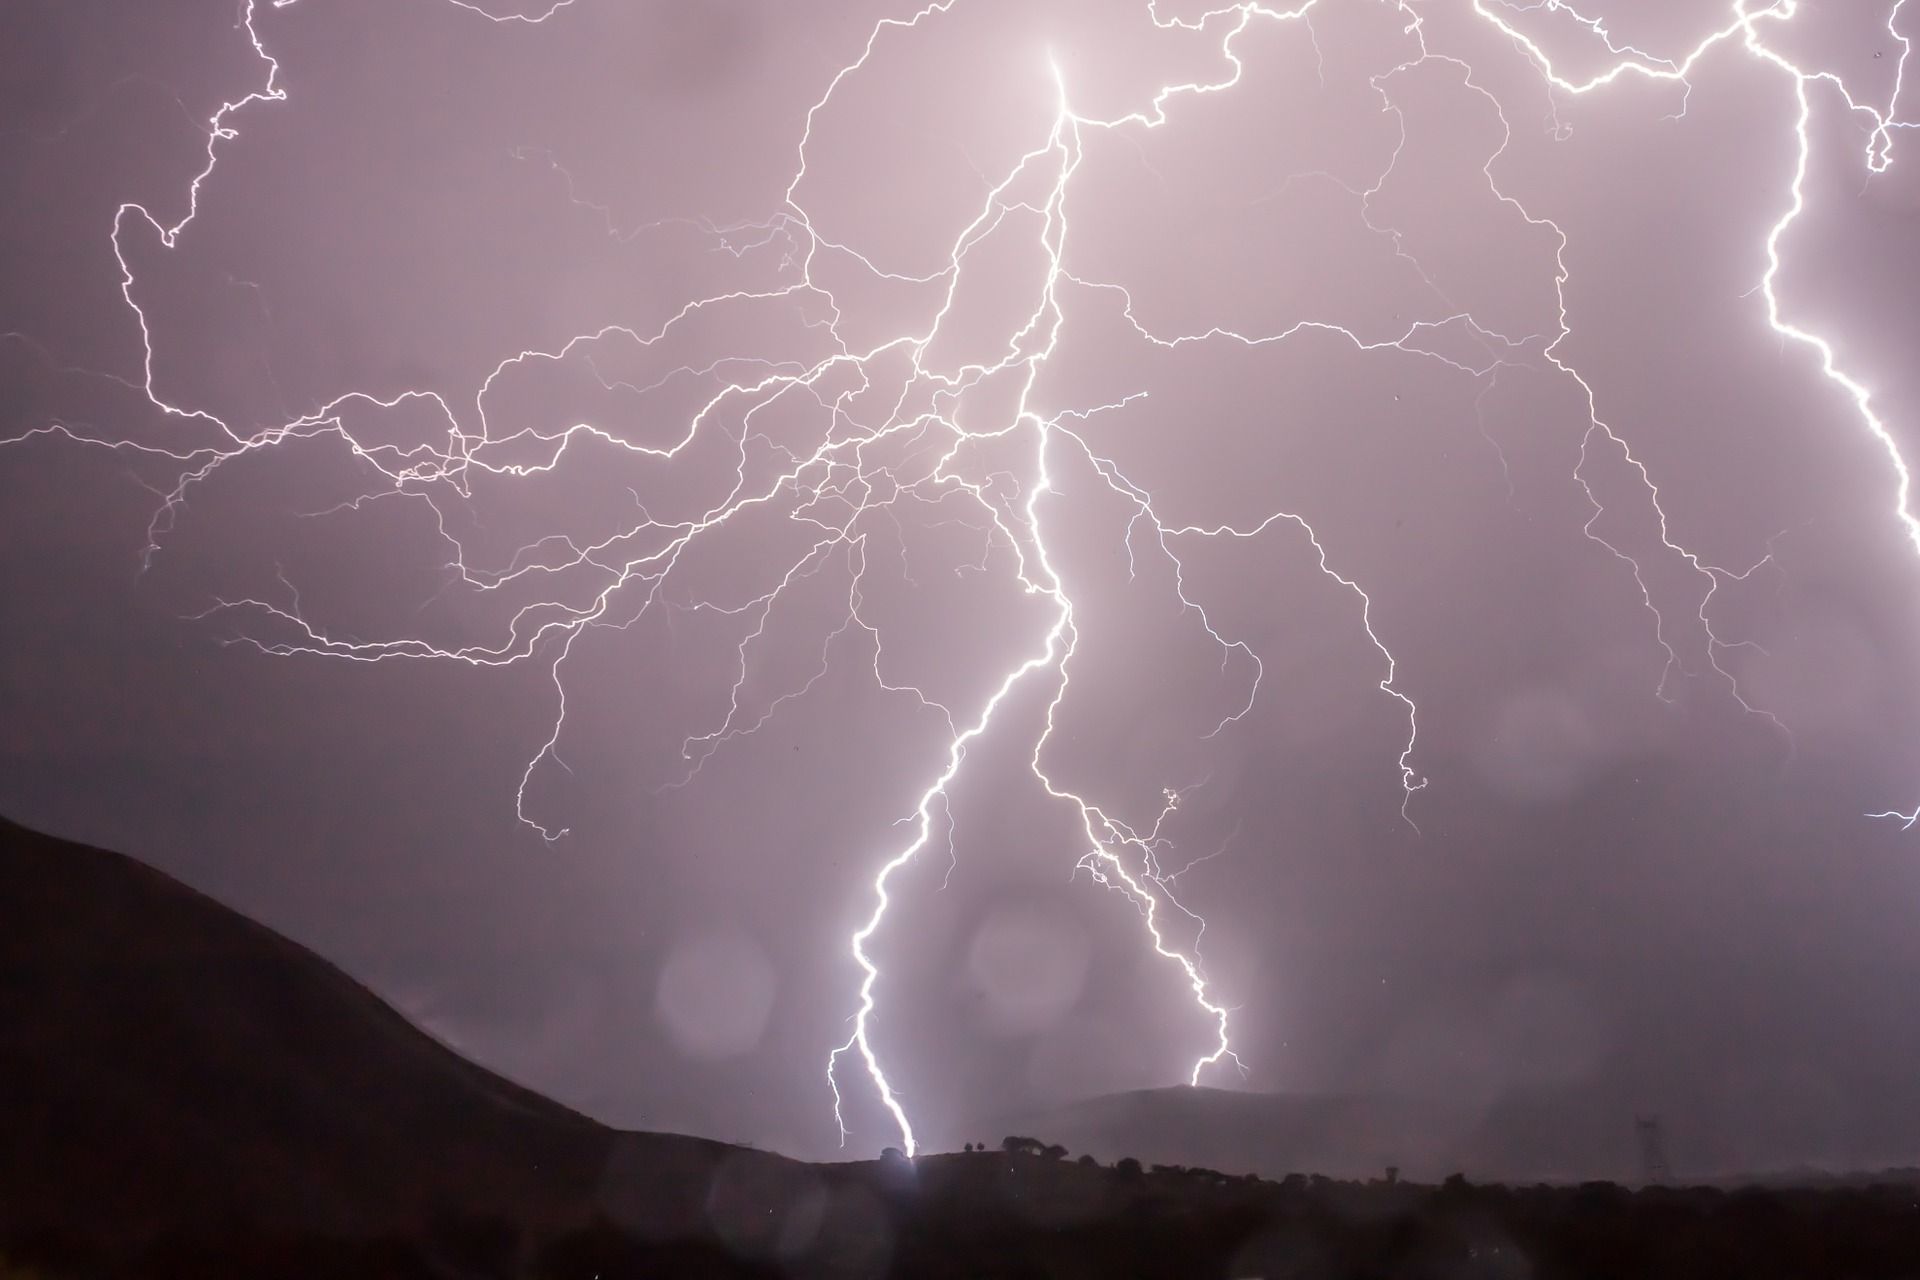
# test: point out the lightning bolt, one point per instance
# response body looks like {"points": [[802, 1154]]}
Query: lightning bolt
{"points": [[1745, 28], [922, 444]]}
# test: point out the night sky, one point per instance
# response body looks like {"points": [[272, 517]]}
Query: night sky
{"points": [[527, 434]]}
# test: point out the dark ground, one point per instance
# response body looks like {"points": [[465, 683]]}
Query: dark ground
{"points": [[992, 1215], [186, 1094]]}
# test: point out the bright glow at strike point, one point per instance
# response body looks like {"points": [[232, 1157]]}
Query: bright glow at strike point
{"points": [[919, 451]]}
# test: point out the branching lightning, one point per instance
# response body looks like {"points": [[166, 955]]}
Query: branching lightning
{"points": [[867, 467]]}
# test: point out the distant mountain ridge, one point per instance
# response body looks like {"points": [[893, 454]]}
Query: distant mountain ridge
{"points": [[1562, 1135], [1549, 1136]]}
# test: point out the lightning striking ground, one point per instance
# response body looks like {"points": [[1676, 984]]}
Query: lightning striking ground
{"points": [[924, 448]]}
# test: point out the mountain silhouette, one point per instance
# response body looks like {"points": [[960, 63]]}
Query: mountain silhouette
{"points": [[165, 1061]]}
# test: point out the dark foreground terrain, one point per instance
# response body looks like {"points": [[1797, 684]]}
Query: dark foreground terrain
{"points": [[185, 1094], [992, 1215]]}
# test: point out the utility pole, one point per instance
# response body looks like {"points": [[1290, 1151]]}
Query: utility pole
{"points": [[1653, 1149]]}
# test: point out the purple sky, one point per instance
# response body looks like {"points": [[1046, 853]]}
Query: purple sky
{"points": [[792, 541]]}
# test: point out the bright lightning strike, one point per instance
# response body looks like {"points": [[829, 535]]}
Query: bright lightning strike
{"points": [[866, 467]]}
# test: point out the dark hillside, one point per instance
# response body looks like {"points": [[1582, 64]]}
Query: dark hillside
{"points": [[164, 1059]]}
